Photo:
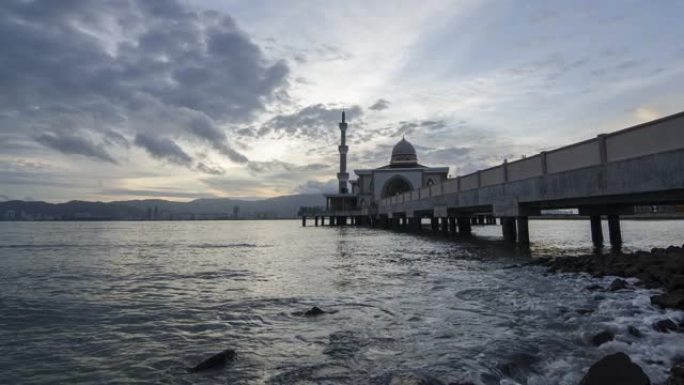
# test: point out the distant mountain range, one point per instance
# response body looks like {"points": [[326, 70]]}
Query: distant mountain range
{"points": [[159, 209]]}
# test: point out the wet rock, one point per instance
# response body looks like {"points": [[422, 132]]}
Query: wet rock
{"points": [[584, 311], [603, 337], [665, 326], [676, 373], [634, 331], [214, 362], [676, 282], [615, 369], [618, 284], [594, 287], [410, 379], [518, 367], [672, 299], [314, 311]]}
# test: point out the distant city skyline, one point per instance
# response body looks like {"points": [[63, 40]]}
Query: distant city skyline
{"points": [[206, 98]]}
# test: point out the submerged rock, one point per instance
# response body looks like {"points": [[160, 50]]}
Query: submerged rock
{"points": [[665, 326], [594, 287], [314, 311], [409, 379], [618, 284], [634, 331], [214, 362], [615, 369], [602, 338]]}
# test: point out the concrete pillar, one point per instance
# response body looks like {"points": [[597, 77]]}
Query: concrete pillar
{"points": [[464, 225], [508, 228], [523, 231], [332, 221], [316, 221], [452, 225], [614, 231], [303, 221], [473, 220], [480, 220], [445, 225], [434, 222], [596, 230]]}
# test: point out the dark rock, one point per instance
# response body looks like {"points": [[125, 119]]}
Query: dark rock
{"points": [[594, 287], [602, 338], [672, 299], [634, 331], [665, 326], [410, 379], [584, 311], [675, 282], [314, 311], [618, 284], [518, 366], [673, 250], [214, 362], [615, 369], [676, 373]]}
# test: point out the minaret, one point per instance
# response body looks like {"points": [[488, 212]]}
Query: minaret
{"points": [[343, 176]]}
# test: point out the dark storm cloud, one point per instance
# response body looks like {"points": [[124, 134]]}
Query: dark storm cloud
{"points": [[379, 105], [163, 148], [121, 67], [311, 122], [74, 145], [207, 169]]}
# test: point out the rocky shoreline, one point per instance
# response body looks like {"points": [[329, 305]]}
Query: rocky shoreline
{"points": [[659, 268]]}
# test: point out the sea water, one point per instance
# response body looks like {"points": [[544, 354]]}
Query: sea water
{"points": [[139, 302]]}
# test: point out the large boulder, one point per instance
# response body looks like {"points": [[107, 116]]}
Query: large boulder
{"points": [[618, 284], [615, 369]]}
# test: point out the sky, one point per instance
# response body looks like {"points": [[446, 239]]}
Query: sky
{"points": [[184, 99]]}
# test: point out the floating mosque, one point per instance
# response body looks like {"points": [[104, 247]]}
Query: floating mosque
{"points": [[402, 174]]}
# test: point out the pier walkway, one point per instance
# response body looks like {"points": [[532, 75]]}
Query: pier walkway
{"points": [[604, 176]]}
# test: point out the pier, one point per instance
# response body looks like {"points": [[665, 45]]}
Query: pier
{"points": [[603, 177]]}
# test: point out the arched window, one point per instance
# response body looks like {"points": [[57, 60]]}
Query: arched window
{"points": [[430, 182], [396, 185]]}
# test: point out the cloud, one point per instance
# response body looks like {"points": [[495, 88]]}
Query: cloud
{"points": [[379, 105], [278, 165], [163, 148], [212, 170], [5, 197], [314, 186], [155, 193], [74, 145], [121, 67], [312, 122]]}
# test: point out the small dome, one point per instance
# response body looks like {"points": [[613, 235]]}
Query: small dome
{"points": [[403, 154]]}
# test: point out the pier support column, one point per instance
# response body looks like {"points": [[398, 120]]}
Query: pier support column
{"points": [[508, 228], [303, 221], [523, 231], [434, 223], [331, 221], [614, 231], [445, 225], [464, 227], [452, 225], [322, 221], [316, 221], [480, 220], [596, 230], [473, 221]]}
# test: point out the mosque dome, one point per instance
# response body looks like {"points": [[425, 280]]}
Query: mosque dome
{"points": [[404, 154]]}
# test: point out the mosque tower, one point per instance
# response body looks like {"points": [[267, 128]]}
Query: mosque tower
{"points": [[343, 176]]}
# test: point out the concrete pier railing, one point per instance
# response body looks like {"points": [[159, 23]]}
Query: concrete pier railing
{"points": [[659, 136]]}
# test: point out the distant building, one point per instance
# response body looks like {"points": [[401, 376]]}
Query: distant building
{"points": [[402, 174]]}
